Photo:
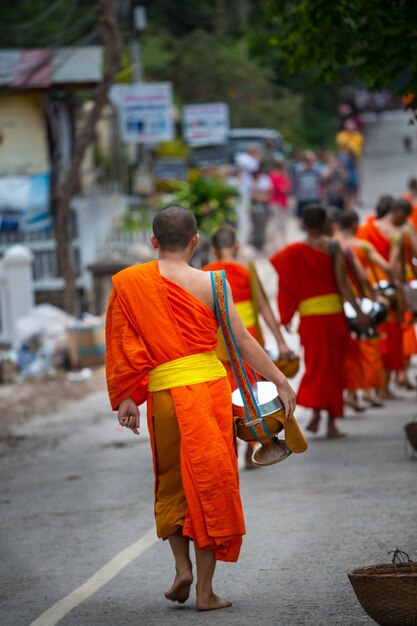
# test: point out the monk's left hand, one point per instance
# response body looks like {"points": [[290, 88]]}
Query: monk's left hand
{"points": [[128, 415]]}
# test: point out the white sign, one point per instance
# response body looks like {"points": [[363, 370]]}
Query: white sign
{"points": [[24, 202], [145, 112], [205, 124]]}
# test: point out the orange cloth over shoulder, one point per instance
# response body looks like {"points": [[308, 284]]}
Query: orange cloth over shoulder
{"points": [[305, 272], [151, 321], [370, 232]]}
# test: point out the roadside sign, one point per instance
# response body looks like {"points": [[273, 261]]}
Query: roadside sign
{"points": [[145, 112], [205, 124]]}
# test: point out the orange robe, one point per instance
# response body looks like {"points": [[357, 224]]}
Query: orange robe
{"points": [[304, 273], [151, 321], [354, 374], [238, 278], [370, 372], [391, 342], [408, 327], [353, 362]]}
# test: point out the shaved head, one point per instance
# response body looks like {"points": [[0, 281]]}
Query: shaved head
{"points": [[225, 237], [174, 227], [314, 217]]}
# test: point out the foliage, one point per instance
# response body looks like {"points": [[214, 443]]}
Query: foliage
{"points": [[366, 40], [137, 218], [211, 199], [205, 67], [176, 148], [44, 23]]}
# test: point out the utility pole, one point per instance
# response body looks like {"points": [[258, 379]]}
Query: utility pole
{"points": [[137, 25]]}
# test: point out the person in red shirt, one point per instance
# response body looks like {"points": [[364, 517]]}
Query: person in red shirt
{"points": [[279, 202]]}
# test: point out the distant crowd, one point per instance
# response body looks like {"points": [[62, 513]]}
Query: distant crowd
{"points": [[272, 186]]}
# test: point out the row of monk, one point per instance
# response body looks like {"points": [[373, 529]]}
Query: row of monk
{"points": [[369, 267], [161, 343]]}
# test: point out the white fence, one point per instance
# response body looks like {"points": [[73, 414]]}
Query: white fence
{"points": [[91, 223]]}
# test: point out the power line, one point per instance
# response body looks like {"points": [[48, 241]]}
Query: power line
{"points": [[36, 20]]}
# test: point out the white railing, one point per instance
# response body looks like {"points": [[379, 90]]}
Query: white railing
{"points": [[42, 245]]}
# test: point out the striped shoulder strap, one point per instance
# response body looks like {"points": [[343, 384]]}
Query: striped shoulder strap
{"points": [[218, 283]]}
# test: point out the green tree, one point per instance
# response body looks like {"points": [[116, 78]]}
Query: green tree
{"points": [[370, 41], [206, 67], [45, 23]]}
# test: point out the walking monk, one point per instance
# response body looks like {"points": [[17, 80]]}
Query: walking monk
{"points": [[160, 347], [226, 250], [309, 282], [370, 369], [386, 235]]}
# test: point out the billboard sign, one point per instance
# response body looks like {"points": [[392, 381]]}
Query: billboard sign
{"points": [[205, 124], [145, 112]]}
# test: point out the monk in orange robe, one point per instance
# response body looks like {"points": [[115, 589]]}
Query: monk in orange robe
{"points": [[160, 342], [383, 207], [309, 282], [385, 234], [226, 250], [364, 366], [408, 272]]}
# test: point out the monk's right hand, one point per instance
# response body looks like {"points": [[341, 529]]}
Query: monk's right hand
{"points": [[287, 395], [128, 415], [364, 321]]}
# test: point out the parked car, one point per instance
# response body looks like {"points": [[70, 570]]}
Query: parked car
{"points": [[240, 139], [205, 156]]}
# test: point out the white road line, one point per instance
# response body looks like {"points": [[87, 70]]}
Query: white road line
{"points": [[58, 610]]}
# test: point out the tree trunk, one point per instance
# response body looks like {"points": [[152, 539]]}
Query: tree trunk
{"points": [[66, 189]]}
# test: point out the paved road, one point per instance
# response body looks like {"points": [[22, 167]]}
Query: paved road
{"points": [[76, 491]]}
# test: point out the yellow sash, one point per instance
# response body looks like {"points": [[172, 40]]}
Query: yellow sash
{"points": [[246, 313], [188, 370], [321, 305]]}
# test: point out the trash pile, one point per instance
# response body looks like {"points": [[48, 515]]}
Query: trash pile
{"points": [[49, 339]]}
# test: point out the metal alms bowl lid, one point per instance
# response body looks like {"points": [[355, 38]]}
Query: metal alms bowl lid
{"points": [[266, 397]]}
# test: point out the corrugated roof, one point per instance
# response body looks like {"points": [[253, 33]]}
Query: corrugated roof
{"points": [[41, 68]]}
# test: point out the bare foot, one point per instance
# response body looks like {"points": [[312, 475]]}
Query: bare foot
{"points": [[180, 590], [313, 424], [249, 464], [373, 401], [212, 603], [388, 395], [333, 432], [354, 404]]}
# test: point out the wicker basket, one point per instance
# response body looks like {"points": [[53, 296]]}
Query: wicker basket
{"points": [[388, 593], [411, 432]]}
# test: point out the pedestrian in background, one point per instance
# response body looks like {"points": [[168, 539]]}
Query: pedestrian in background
{"points": [[307, 182], [281, 190], [334, 177], [260, 198]]}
